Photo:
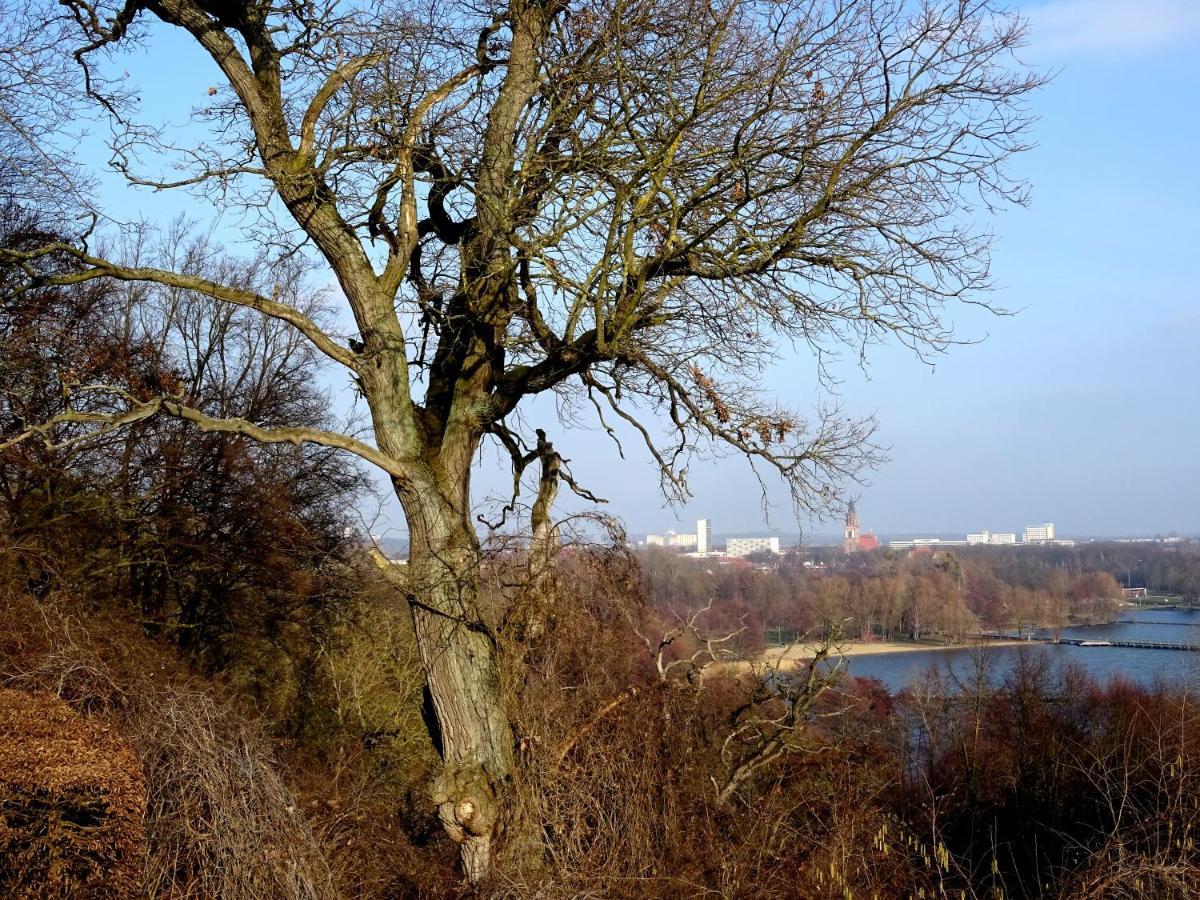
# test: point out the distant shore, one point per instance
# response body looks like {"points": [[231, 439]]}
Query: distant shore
{"points": [[804, 652], [798, 654]]}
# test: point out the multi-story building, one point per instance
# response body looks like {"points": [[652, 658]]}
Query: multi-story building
{"points": [[703, 535], [746, 546], [1037, 534], [930, 542], [678, 541], [989, 537]]}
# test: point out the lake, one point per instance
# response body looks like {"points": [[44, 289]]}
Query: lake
{"points": [[897, 670]]}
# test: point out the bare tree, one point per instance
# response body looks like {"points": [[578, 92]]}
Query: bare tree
{"points": [[629, 203], [771, 723]]}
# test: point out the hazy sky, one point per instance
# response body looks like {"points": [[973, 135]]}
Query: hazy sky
{"points": [[1083, 407]]}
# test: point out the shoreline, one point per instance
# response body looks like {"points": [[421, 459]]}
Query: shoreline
{"points": [[804, 652], [798, 654]]}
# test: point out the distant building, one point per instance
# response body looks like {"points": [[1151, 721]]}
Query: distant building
{"points": [[928, 543], [988, 537], [703, 535], [746, 546], [671, 539], [853, 540], [682, 541], [850, 533], [733, 562], [1034, 534], [1039, 534]]}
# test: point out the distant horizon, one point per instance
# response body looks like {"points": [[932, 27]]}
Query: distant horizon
{"points": [[944, 534], [395, 536], [830, 528]]}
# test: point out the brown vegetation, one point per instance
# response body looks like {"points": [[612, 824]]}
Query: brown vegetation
{"points": [[878, 596], [71, 803], [953, 789], [218, 819]]}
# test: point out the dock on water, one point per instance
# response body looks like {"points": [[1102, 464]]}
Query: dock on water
{"points": [[1089, 642]]}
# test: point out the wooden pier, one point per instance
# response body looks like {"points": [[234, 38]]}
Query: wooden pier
{"points": [[1156, 622], [1090, 642]]}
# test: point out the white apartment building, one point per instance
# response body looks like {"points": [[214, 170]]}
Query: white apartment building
{"points": [[671, 539], [700, 542], [988, 537], [925, 542], [1035, 534], [682, 541], [746, 546]]}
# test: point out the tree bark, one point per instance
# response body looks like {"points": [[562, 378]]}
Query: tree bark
{"points": [[459, 653], [537, 595]]}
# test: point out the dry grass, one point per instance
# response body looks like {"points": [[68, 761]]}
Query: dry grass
{"points": [[72, 802], [220, 821]]}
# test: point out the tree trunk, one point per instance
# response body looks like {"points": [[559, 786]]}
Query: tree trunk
{"points": [[458, 651], [537, 596]]}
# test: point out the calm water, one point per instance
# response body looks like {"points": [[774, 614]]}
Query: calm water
{"points": [[896, 670]]}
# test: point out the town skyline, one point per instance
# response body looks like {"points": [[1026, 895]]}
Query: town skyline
{"points": [[1033, 532]]}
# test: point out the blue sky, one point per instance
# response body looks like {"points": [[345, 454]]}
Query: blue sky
{"points": [[1084, 407]]}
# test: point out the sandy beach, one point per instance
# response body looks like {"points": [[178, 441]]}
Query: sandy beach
{"points": [[797, 654]]}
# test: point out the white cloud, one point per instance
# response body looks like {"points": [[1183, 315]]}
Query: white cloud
{"points": [[1111, 26]]}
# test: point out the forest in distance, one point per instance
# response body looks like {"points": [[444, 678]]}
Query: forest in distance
{"points": [[946, 594]]}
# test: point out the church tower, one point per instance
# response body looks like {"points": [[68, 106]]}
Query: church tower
{"points": [[850, 533]]}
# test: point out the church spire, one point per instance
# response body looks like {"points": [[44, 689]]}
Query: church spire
{"points": [[850, 532]]}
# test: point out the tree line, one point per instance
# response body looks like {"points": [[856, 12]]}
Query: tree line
{"points": [[883, 595]]}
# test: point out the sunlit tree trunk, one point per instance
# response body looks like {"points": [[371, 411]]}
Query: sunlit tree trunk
{"points": [[459, 653]]}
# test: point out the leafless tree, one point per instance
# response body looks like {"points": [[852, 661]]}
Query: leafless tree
{"points": [[629, 203]]}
